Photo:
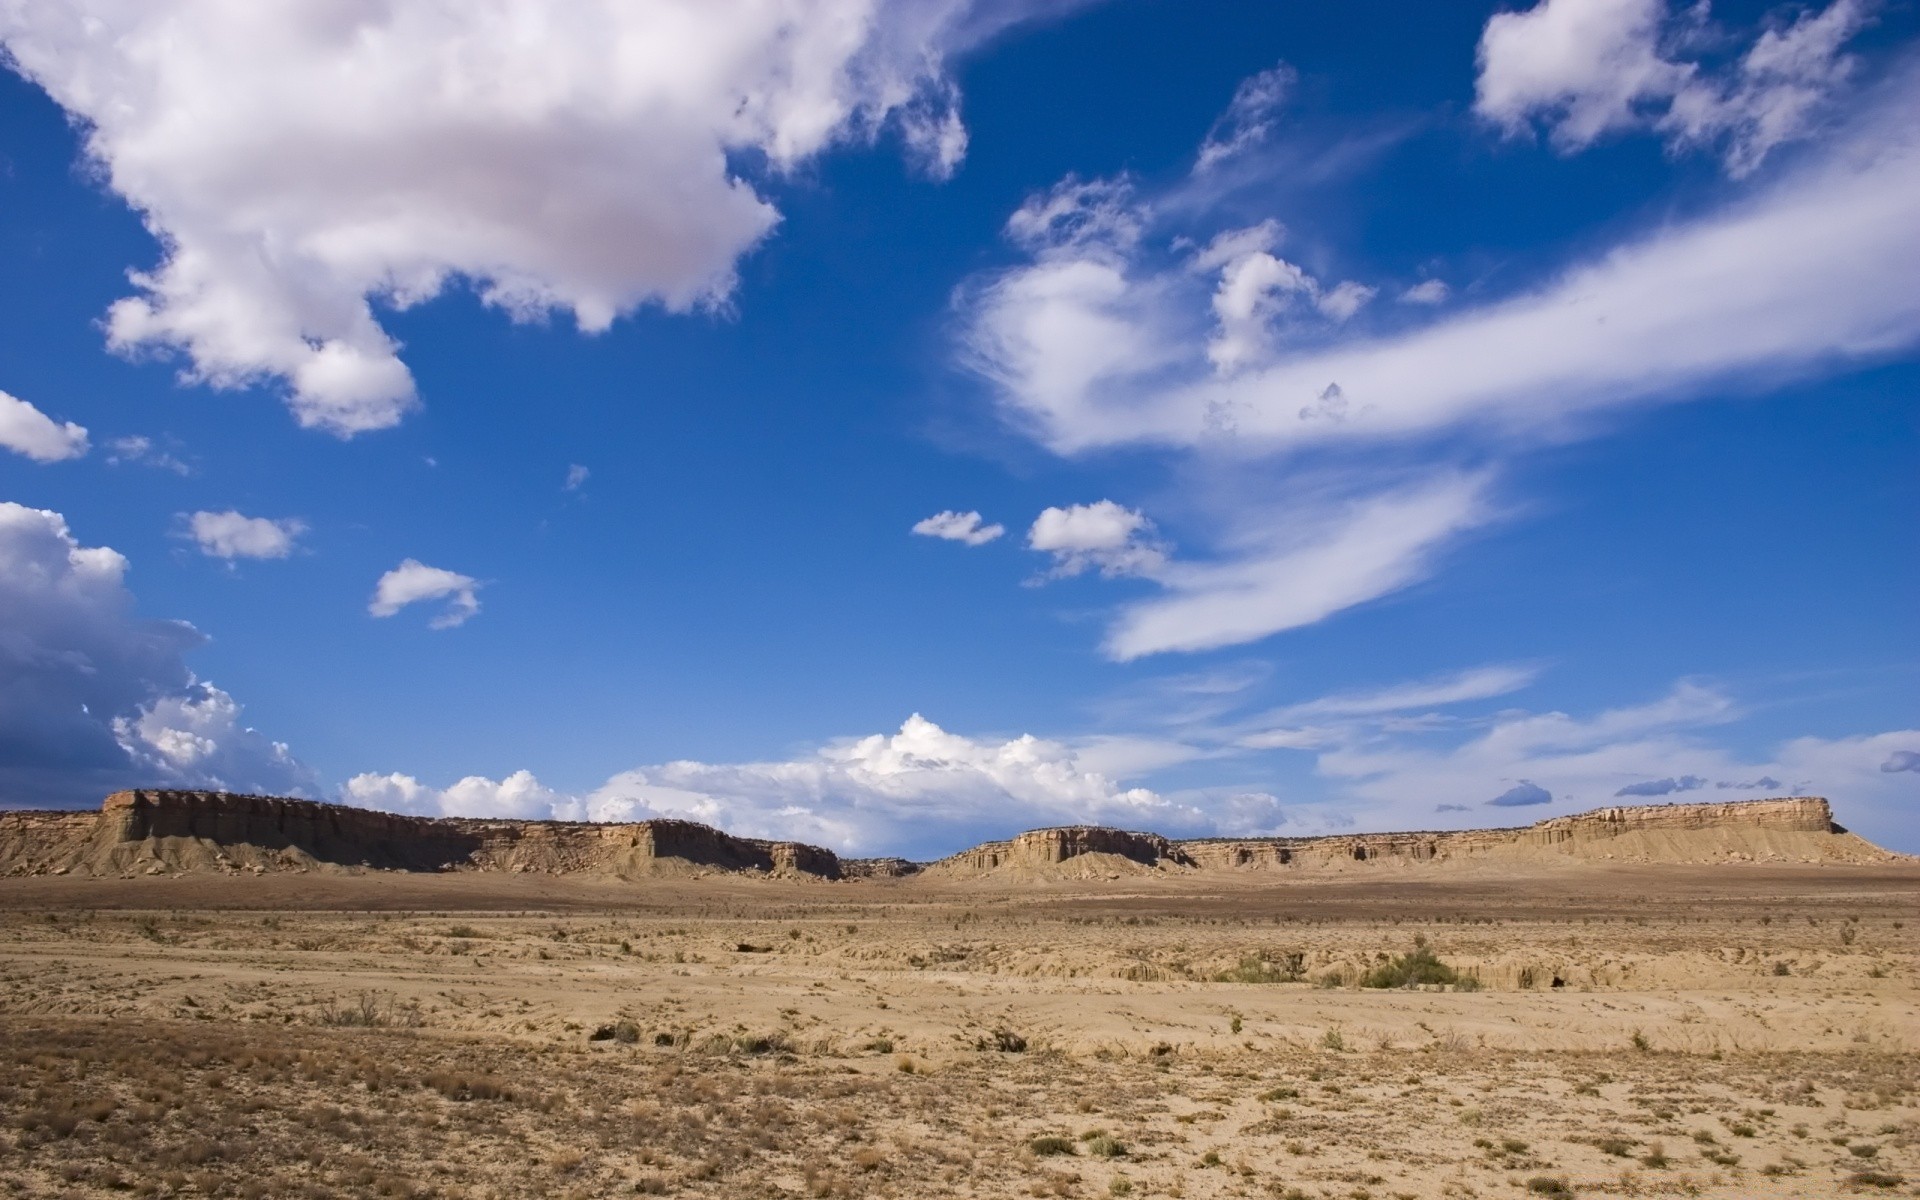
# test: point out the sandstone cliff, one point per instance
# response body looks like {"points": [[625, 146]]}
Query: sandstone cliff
{"points": [[163, 832], [158, 832]]}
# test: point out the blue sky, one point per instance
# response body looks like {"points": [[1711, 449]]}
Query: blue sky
{"points": [[1391, 416]]}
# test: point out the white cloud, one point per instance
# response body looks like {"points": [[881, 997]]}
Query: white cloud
{"points": [[194, 738], [94, 697], [1302, 570], [1477, 683], [1428, 291], [958, 527], [577, 476], [1588, 68], [138, 449], [519, 796], [1257, 290], [230, 535], [1103, 536], [26, 430], [1249, 117], [414, 581], [301, 162]]}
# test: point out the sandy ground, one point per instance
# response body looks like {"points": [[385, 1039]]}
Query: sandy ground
{"points": [[1736, 1031]]}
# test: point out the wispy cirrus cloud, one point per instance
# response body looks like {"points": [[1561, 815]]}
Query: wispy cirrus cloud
{"points": [[1132, 324]]}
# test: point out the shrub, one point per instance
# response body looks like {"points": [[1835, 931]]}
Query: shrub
{"points": [[1549, 1185], [1879, 1179], [1256, 968], [1416, 967], [1100, 1144], [465, 1086], [1048, 1145]]}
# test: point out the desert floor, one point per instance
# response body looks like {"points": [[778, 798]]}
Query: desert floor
{"points": [[1737, 1031]]}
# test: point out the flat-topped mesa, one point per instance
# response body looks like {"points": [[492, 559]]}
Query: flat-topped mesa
{"points": [[158, 831], [1041, 849], [1791, 814], [1796, 828]]}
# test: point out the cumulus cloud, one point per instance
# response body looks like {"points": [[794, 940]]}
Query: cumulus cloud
{"points": [[1663, 787], [577, 476], [195, 738], [94, 697], [27, 431], [1901, 760], [413, 582], [1764, 783], [519, 797], [1104, 536], [231, 535], [1429, 291], [583, 158], [966, 527], [1522, 795], [1587, 68]]}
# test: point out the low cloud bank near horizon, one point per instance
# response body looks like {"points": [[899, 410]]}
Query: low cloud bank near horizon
{"points": [[925, 792]]}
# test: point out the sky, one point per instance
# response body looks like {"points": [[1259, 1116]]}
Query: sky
{"points": [[897, 425]]}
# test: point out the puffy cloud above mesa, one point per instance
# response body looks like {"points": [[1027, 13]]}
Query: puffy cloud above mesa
{"points": [[1387, 759], [573, 157], [27, 431], [922, 791], [414, 582], [94, 698], [1592, 67]]}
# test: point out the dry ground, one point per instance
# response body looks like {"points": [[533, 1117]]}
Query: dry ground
{"points": [[1729, 1031]]}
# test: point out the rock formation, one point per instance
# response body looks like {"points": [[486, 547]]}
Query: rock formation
{"points": [[163, 832], [156, 832]]}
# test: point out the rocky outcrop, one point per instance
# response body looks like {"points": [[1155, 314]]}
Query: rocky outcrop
{"points": [[1041, 849], [157, 832], [1798, 828]]}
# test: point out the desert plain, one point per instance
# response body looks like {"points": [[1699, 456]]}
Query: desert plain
{"points": [[1546, 1027]]}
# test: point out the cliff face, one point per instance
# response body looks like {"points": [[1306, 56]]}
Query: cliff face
{"points": [[1039, 849], [1798, 828], [160, 832], [157, 832]]}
